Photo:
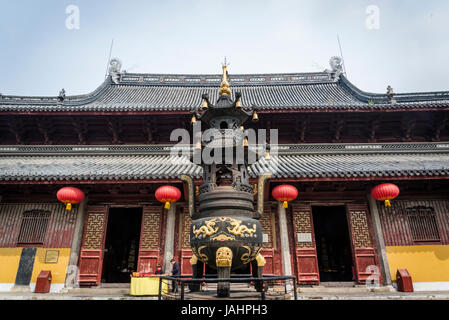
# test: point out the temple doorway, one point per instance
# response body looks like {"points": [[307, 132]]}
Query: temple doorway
{"points": [[333, 243], [121, 245]]}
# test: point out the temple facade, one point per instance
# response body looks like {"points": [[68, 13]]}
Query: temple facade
{"points": [[335, 143]]}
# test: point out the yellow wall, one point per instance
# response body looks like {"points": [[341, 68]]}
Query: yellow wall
{"points": [[58, 270], [425, 263], [9, 263]]}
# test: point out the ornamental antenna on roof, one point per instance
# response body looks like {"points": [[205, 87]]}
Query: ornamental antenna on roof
{"points": [[342, 58], [109, 59]]}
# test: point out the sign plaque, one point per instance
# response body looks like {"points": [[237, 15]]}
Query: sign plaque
{"points": [[51, 256], [304, 237], [265, 237]]}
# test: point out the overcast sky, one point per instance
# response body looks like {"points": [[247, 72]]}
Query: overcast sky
{"points": [[407, 47]]}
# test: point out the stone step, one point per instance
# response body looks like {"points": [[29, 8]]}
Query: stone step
{"points": [[98, 291], [355, 289]]}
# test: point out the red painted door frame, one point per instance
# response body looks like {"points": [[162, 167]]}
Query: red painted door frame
{"points": [[306, 258], [92, 245], [182, 247], [364, 250], [271, 251], [152, 239]]}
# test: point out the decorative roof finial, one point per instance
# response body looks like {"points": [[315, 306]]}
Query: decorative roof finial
{"points": [[390, 94], [224, 86], [336, 64], [114, 69], [61, 95]]}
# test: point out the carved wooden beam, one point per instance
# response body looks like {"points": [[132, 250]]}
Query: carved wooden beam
{"points": [[304, 125], [115, 127], [114, 190], [339, 125], [46, 128], [408, 124], [17, 129], [439, 124], [148, 129], [340, 187], [373, 126], [80, 126], [311, 187], [144, 190]]}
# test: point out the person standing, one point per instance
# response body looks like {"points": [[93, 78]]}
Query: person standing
{"points": [[176, 271]]}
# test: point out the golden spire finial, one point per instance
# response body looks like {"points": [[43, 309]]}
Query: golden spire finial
{"points": [[224, 86]]}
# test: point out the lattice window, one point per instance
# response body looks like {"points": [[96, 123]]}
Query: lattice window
{"points": [[423, 224], [34, 227]]}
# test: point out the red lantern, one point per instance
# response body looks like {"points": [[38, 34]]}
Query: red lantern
{"points": [[168, 194], [385, 192], [285, 193], [70, 195]]}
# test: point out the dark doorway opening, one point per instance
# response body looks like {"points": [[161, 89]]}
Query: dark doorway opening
{"points": [[333, 243], [122, 244]]}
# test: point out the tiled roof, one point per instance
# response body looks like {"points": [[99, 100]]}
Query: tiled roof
{"points": [[154, 162], [159, 92]]}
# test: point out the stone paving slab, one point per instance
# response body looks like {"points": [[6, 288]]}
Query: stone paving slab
{"points": [[301, 296]]}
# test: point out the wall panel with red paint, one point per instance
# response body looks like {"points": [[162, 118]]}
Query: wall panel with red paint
{"points": [[59, 229], [398, 228]]}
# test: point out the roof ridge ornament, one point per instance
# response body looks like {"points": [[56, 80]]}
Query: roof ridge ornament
{"points": [[224, 86], [114, 69], [390, 95], [336, 64], [61, 95]]}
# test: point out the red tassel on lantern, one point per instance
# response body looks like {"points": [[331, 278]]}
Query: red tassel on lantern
{"points": [[385, 192]]}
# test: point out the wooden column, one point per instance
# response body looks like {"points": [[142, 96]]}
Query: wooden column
{"points": [[76, 246], [169, 237], [378, 235], [285, 247]]}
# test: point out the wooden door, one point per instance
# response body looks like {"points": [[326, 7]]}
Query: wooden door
{"points": [[151, 245], [182, 246], [363, 245], [92, 247], [305, 247], [271, 246]]}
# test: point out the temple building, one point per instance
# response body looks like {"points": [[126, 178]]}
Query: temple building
{"points": [[335, 143]]}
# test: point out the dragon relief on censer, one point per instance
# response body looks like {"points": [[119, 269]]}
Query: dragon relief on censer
{"points": [[225, 232]]}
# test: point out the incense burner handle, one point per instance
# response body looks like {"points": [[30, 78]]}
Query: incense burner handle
{"points": [[260, 193], [191, 195]]}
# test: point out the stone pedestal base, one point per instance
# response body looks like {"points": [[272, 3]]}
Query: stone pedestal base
{"points": [[197, 273], [257, 273]]}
